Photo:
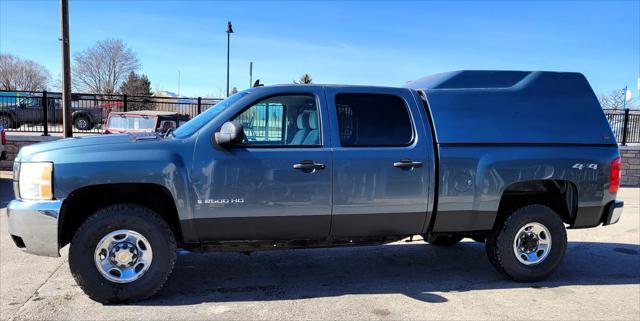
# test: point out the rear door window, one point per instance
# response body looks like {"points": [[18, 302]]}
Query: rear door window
{"points": [[368, 120]]}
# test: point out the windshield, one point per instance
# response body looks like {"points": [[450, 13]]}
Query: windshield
{"points": [[197, 122], [131, 122]]}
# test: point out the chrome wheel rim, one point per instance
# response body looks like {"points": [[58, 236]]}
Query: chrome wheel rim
{"points": [[82, 124], [123, 256], [532, 243]]}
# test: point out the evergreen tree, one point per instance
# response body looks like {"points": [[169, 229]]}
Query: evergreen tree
{"points": [[304, 79]]}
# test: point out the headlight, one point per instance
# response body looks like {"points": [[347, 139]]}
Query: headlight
{"points": [[35, 181]]}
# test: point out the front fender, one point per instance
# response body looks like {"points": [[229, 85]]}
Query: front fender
{"points": [[161, 167]]}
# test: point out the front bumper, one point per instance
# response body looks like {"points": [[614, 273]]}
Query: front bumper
{"points": [[613, 213], [33, 225]]}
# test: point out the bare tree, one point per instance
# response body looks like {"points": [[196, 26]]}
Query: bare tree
{"points": [[304, 79], [22, 74], [102, 68], [614, 100]]}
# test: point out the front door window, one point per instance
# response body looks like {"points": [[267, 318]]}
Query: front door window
{"points": [[282, 120]]}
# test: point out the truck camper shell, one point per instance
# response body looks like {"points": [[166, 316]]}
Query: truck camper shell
{"points": [[514, 107]]}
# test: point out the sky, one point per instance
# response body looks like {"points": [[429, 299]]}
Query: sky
{"points": [[344, 42]]}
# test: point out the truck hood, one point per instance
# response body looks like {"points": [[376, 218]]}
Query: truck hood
{"points": [[36, 152]]}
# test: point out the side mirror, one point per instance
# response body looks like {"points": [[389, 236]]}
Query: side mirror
{"points": [[231, 133]]}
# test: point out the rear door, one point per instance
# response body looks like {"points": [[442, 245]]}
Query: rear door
{"points": [[382, 162]]}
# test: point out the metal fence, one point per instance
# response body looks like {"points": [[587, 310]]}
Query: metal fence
{"points": [[625, 124], [24, 111]]}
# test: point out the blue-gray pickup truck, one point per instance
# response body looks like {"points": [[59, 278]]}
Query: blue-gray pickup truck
{"points": [[508, 158]]}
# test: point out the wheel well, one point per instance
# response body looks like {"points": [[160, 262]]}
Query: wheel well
{"points": [[85, 201], [81, 114], [559, 195]]}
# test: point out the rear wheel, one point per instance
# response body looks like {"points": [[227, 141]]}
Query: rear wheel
{"points": [[122, 253], [82, 122], [529, 244]]}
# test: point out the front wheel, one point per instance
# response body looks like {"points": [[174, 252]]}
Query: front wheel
{"points": [[122, 253], [6, 121], [529, 244]]}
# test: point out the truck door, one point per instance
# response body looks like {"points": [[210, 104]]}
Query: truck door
{"points": [[382, 162], [277, 184], [30, 110]]}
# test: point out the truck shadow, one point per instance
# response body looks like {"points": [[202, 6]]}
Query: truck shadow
{"points": [[6, 191], [415, 270]]}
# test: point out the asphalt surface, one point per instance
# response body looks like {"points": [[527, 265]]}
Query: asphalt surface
{"points": [[599, 279]]}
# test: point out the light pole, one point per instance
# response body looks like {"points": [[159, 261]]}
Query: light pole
{"points": [[624, 98], [229, 32]]}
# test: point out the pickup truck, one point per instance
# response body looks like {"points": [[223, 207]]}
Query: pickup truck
{"points": [[508, 158], [28, 110]]}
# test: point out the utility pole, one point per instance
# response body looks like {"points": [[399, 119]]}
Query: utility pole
{"points": [[66, 69], [250, 74], [229, 32], [624, 97]]}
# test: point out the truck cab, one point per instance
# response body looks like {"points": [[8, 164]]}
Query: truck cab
{"points": [[312, 161]]}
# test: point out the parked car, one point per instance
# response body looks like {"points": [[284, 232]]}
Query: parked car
{"points": [[143, 121], [28, 110], [3, 141], [507, 158]]}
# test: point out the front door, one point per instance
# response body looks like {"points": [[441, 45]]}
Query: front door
{"points": [[277, 184], [382, 167]]}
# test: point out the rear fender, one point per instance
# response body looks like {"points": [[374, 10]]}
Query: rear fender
{"points": [[474, 178]]}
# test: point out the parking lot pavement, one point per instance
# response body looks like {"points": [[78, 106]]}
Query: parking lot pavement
{"points": [[599, 279]]}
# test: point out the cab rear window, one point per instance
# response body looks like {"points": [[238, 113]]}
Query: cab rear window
{"points": [[367, 120]]}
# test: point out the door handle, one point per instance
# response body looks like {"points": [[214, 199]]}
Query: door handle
{"points": [[308, 166], [407, 163]]}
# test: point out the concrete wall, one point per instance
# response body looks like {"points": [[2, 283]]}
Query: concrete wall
{"points": [[630, 169], [630, 155]]}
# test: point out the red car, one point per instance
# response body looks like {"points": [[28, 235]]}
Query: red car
{"points": [[3, 141], [143, 121]]}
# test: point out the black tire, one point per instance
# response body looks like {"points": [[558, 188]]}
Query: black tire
{"points": [[445, 240], [122, 216], [82, 122], [6, 121], [499, 244]]}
